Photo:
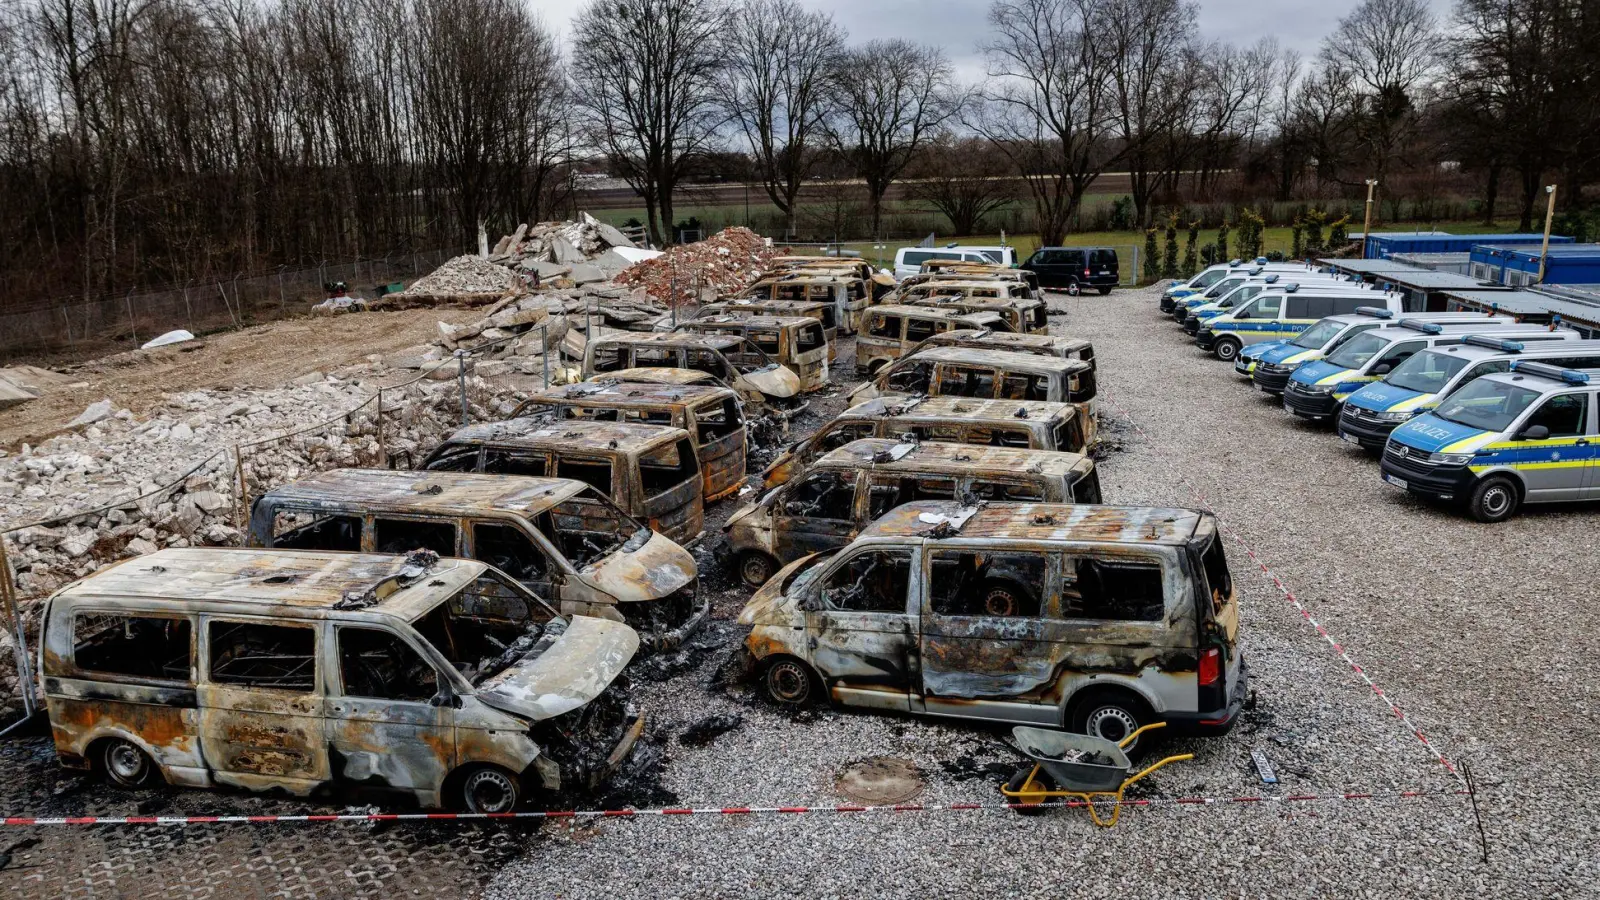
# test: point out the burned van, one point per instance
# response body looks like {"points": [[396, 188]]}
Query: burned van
{"points": [[651, 471], [952, 420], [667, 358], [1037, 344], [888, 332], [559, 537], [993, 374], [441, 680], [1023, 314], [847, 489], [825, 313], [710, 413], [846, 289], [797, 343], [1095, 619]]}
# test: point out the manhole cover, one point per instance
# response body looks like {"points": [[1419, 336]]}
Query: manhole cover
{"points": [[878, 780]]}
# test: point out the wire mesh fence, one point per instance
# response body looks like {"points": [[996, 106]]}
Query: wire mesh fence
{"points": [[112, 323]]}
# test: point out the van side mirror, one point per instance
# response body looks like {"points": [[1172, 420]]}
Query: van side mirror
{"points": [[445, 698], [1534, 433], [1382, 369]]}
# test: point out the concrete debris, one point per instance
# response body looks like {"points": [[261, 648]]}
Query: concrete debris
{"points": [[97, 412], [171, 337], [335, 305], [19, 384], [465, 280], [721, 264]]}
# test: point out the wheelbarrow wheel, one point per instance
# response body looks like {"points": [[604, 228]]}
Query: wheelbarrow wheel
{"points": [[1041, 781]]}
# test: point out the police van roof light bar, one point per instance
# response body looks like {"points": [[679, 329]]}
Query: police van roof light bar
{"points": [[1546, 370], [1377, 312], [1483, 340], [1424, 327]]}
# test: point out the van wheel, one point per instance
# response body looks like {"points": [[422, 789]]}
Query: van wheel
{"points": [[1227, 349], [1494, 499], [489, 789], [756, 568], [790, 682], [125, 764], [1023, 807], [1112, 716], [1104, 291]]}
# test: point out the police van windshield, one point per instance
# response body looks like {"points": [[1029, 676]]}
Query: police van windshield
{"points": [[1207, 279], [1355, 354], [1319, 334], [1486, 404], [1427, 372]]}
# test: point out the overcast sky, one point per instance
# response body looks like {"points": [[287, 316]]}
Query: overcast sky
{"points": [[959, 25]]}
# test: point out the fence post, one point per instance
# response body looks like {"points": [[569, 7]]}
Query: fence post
{"points": [[283, 307], [461, 383], [383, 453], [544, 352], [188, 311], [243, 508], [19, 647], [132, 325]]}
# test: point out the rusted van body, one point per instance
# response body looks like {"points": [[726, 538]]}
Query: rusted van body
{"points": [[1039, 344], [848, 292], [827, 506], [558, 536], [1024, 315], [668, 358], [963, 271], [709, 412], [826, 313], [1095, 619], [959, 420], [651, 471], [888, 331], [995, 374], [797, 343], [438, 679]]}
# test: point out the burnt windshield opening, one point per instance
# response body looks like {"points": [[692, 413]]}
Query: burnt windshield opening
{"points": [[588, 527], [488, 626]]}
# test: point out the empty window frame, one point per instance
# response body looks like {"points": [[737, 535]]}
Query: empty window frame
{"points": [[142, 646], [377, 664], [1114, 591], [594, 472], [406, 535], [871, 582], [259, 655], [508, 549], [302, 530], [665, 468], [1008, 584]]}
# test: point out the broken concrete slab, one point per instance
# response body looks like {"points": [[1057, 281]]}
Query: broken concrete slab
{"points": [[585, 273], [98, 411]]}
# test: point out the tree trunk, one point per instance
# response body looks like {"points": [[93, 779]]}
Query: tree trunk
{"points": [[1491, 191]]}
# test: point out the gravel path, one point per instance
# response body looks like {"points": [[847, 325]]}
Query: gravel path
{"points": [[1474, 630]]}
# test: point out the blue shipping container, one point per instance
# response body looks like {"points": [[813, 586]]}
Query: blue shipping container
{"points": [[1381, 246], [1518, 266]]}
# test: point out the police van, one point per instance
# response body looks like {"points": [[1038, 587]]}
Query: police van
{"points": [[1524, 436], [1273, 362], [1418, 384], [1317, 389], [1283, 314], [1199, 315], [1209, 276]]}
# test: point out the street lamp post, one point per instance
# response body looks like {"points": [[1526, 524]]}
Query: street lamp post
{"points": [[1366, 229], [1549, 215]]}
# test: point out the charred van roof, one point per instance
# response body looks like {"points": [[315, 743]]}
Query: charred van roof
{"points": [[1040, 522]]}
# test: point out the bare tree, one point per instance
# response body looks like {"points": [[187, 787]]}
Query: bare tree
{"points": [[1153, 77], [779, 58], [645, 72], [1045, 103], [1387, 48], [892, 95], [963, 178]]}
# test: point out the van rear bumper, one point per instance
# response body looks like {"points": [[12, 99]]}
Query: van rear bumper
{"points": [[1214, 722]]}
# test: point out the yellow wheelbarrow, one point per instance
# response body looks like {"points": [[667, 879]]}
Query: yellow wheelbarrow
{"points": [[1081, 767]]}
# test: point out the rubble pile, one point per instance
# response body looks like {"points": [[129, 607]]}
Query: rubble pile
{"points": [[465, 280], [115, 456], [722, 264]]}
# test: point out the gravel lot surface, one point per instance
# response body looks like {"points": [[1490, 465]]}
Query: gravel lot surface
{"points": [[1478, 632]]}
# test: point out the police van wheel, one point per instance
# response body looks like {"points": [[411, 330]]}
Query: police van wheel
{"points": [[1494, 499], [756, 568], [1227, 349], [124, 764]]}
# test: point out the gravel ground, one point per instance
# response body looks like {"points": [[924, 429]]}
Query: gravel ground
{"points": [[1458, 622]]}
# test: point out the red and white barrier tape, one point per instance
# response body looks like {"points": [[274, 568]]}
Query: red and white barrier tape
{"points": [[310, 818], [1305, 613]]}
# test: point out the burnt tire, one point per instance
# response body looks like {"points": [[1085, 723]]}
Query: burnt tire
{"points": [[756, 568], [1494, 499], [1005, 598], [791, 683], [488, 789], [1227, 349], [125, 763], [1112, 716], [1018, 805]]}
